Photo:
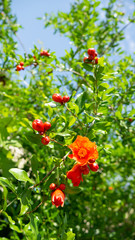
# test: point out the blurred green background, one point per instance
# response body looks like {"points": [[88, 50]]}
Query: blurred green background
{"points": [[101, 97]]}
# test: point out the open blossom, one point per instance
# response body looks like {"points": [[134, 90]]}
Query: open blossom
{"points": [[85, 170], [57, 198], [83, 150], [75, 175]]}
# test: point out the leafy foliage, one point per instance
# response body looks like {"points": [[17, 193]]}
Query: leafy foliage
{"points": [[101, 107]]}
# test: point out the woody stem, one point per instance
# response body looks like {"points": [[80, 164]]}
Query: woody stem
{"points": [[95, 93], [53, 140], [35, 207], [63, 159]]}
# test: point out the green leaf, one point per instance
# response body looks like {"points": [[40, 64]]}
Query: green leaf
{"points": [[50, 179], [3, 238], [65, 220], [20, 175], [33, 224], [14, 143], [87, 66], [24, 202], [103, 86], [72, 121], [131, 113], [34, 164], [5, 192], [34, 138], [26, 123], [91, 119], [80, 100], [15, 228], [101, 61], [118, 115], [91, 78], [72, 190], [101, 132], [73, 106], [8, 184], [9, 218], [66, 133], [99, 72]]}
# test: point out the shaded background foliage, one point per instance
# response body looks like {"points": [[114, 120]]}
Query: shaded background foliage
{"points": [[101, 98]]}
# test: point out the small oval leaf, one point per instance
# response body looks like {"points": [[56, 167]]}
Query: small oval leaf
{"points": [[72, 190], [20, 175]]}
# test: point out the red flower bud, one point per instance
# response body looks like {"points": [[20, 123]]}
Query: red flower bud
{"points": [[96, 60], [45, 140], [91, 161], [52, 186], [91, 57], [91, 53], [18, 68], [93, 166], [38, 125], [21, 63], [130, 120], [57, 198], [62, 186], [66, 99], [45, 53], [85, 58], [57, 98], [47, 126]]}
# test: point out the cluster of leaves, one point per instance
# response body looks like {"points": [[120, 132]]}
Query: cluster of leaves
{"points": [[100, 106]]}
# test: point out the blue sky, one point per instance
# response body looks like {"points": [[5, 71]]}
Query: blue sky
{"points": [[33, 31]]}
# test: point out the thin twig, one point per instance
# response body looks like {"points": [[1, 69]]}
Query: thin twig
{"points": [[74, 72], [115, 37], [96, 91], [53, 140], [43, 178], [63, 159], [35, 207], [8, 205], [20, 41]]}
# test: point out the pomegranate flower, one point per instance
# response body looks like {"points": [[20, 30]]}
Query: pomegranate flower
{"points": [[85, 170], [75, 175], [57, 198], [83, 150]]}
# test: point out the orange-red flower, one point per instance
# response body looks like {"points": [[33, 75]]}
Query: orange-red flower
{"points": [[83, 150], [75, 175], [57, 198], [85, 170]]}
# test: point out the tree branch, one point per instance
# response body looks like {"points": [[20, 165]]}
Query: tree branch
{"points": [[63, 159], [35, 207], [115, 37]]}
